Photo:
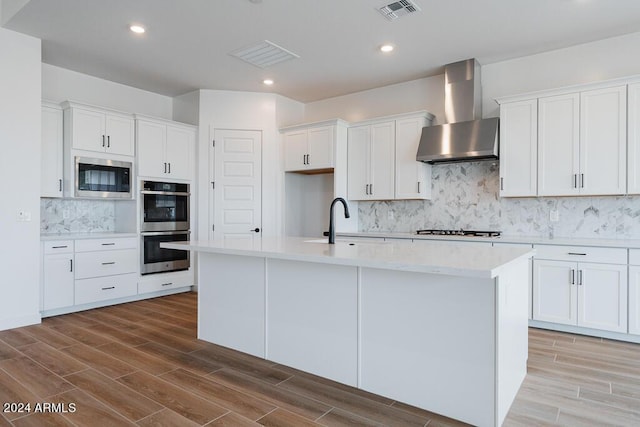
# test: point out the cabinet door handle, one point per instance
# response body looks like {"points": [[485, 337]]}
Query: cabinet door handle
{"points": [[109, 287], [60, 184], [169, 166], [573, 276], [71, 265], [102, 141], [108, 141], [308, 161], [580, 277], [575, 180], [371, 189], [167, 284], [418, 187], [59, 247], [577, 253], [501, 184], [109, 263], [108, 244], [581, 180], [165, 167], [366, 189]]}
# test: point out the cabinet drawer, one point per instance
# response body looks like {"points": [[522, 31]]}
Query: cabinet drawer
{"points": [[88, 245], [104, 288], [106, 263], [634, 256], [162, 282], [58, 246], [581, 254]]}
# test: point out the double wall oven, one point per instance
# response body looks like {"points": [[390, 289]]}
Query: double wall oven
{"points": [[164, 217]]}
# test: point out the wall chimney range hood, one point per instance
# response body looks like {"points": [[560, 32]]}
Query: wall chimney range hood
{"points": [[465, 137]]}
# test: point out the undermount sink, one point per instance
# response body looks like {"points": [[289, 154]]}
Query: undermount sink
{"points": [[326, 240]]}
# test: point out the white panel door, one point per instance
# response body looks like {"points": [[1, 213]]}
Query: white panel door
{"points": [[58, 281], [120, 135], [320, 147], [237, 211], [358, 162], [603, 141], [518, 148], [633, 128], [382, 152], [634, 300], [151, 143], [88, 132], [51, 161], [602, 296], [413, 178], [558, 145], [179, 146], [554, 291], [295, 150]]}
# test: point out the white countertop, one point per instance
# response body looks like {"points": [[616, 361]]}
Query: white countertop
{"points": [[528, 240], [426, 257], [78, 236]]}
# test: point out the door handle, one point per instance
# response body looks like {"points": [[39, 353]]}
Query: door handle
{"points": [[165, 167], [102, 141], [573, 276], [580, 277], [109, 263], [255, 230], [60, 184], [418, 187], [108, 141], [109, 287], [169, 167]]}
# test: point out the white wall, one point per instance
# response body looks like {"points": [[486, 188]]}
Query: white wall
{"points": [[590, 62], [186, 108], [422, 94], [20, 175], [60, 84]]}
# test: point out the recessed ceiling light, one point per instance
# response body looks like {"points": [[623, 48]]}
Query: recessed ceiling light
{"points": [[386, 48], [138, 29], [268, 82]]}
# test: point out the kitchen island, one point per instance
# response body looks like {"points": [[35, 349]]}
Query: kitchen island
{"points": [[439, 326]]}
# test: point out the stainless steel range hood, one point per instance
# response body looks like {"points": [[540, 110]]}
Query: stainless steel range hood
{"points": [[465, 136]]}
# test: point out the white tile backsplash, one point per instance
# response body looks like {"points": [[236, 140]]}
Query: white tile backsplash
{"points": [[465, 195], [76, 216]]}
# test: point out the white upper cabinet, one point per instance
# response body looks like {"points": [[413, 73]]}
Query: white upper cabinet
{"points": [[413, 178], [165, 149], [381, 157], [93, 129], [603, 137], [559, 145], [518, 148], [371, 161], [581, 141], [52, 149], [310, 147], [633, 129]]}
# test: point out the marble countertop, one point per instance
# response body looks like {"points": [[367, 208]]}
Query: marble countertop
{"points": [[78, 236], [528, 240], [429, 257]]}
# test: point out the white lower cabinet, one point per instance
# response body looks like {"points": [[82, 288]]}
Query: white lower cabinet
{"points": [[165, 281], [105, 288], [57, 277], [585, 294], [634, 291]]}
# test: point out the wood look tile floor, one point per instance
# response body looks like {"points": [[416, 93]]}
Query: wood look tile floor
{"points": [[141, 364]]}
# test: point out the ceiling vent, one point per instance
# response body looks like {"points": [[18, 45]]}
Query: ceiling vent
{"points": [[397, 9], [264, 54]]}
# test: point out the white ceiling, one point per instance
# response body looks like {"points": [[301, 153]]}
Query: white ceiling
{"points": [[187, 43]]}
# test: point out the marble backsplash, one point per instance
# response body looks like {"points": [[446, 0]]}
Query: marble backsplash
{"points": [[465, 195], [76, 216]]}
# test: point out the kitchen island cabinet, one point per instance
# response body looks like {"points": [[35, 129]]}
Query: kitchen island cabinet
{"points": [[441, 327]]}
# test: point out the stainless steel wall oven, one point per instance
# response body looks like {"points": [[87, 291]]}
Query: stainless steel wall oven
{"points": [[164, 217]]}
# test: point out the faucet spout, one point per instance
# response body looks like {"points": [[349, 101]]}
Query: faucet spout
{"points": [[332, 229]]}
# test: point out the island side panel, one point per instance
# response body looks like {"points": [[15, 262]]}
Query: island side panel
{"points": [[231, 301], [513, 333], [429, 340], [312, 318]]}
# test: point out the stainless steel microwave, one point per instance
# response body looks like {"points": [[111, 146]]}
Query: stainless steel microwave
{"points": [[103, 178]]}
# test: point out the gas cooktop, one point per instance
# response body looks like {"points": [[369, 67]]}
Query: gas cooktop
{"points": [[461, 232]]}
